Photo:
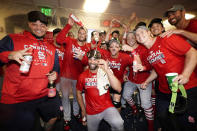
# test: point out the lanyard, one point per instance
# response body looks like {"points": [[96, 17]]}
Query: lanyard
{"points": [[175, 86]]}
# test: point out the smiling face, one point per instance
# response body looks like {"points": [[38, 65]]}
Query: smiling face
{"points": [[175, 17], [82, 35], [38, 28], [92, 62], [142, 35], [156, 29], [114, 49], [131, 40], [95, 36]]}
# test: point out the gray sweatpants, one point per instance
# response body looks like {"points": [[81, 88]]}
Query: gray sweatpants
{"points": [[145, 95], [65, 86], [110, 115]]}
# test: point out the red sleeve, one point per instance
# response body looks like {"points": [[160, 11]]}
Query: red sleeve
{"points": [[177, 44], [80, 83], [104, 53], [4, 56], [129, 59], [192, 27], [84, 60], [61, 37]]}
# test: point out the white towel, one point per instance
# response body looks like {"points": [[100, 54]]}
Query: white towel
{"points": [[102, 81]]}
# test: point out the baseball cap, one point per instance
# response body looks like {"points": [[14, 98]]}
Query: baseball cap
{"points": [[33, 16], [155, 20], [173, 9], [94, 54]]}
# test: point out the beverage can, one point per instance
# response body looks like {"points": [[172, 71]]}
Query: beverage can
{"points": [[24, 68]]}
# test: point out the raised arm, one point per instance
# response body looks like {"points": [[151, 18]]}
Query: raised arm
{"points": [[61, 37]]}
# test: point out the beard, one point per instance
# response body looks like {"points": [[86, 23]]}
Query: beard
{"points": [[83, 40], [93, 66], [174, 22]]}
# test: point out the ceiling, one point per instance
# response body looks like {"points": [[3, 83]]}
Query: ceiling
{"points": [[143, 8]]}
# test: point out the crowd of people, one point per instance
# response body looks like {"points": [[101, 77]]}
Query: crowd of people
{"points": [[103, 74]]}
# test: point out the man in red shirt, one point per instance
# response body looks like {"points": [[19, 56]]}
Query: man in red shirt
{"points": [[168, 55], [24, 94], [137, 78], [118, 62], [71, 68], [186, 28], [98, 106], [156, 26], [60, 51]]}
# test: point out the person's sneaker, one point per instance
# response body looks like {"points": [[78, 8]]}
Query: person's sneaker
{"points": [[66, 126]]}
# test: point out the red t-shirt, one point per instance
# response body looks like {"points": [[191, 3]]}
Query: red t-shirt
{"points": [[140, 76], [168, 55], [119, 64], [71, 67], [192, 27], [95, 104]]}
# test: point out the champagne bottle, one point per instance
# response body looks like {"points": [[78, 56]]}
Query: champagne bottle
{"points": [[51, 89]]}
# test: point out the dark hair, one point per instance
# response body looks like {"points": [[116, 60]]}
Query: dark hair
{"points": [[55, 31], [115, 31], [102, 32], [114, 40], [92, 33], [141, 23], [155, 20], [33, 16], [94, 53]]}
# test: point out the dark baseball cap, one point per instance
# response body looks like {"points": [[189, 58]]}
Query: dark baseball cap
{"points": [[94, 54], [173, 9], [155, 20], [33, 16]]}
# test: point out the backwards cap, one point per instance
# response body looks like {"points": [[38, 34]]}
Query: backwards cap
{"points": [[94, 53], [33, 16]]}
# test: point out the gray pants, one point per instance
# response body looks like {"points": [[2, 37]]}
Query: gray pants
{"points": [[145, 95], [110, 115], [65, 86]]}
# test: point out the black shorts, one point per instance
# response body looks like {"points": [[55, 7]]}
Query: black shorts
{"points": [[21, 116], [181, 121]]}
